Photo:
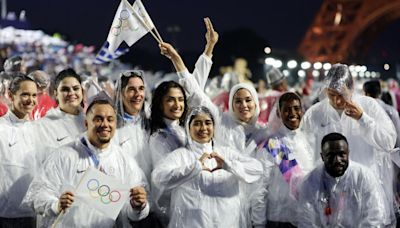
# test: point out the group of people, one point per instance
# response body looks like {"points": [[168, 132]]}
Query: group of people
{"points": [[191, 165]]}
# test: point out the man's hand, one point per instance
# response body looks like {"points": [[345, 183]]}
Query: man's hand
{"points": [[211, 37], [353, 110], [202, 159], [138, 198], [65, 201], [219, 159]]}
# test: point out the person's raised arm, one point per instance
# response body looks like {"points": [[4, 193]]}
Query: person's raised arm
{"points": [[169, 51], [211, 37]]}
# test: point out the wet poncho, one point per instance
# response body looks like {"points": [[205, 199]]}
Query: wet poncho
{"points": [[64, 169], [201, 198], [355, 199]]}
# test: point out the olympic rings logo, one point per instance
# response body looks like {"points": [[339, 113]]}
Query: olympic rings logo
{"points": [[123, 23], [103, 192]]}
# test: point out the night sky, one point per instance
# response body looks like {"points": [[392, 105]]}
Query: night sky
{"points": [[281, 24]]}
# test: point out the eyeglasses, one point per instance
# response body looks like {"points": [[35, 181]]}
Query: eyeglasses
{"points": [[132, 73]]}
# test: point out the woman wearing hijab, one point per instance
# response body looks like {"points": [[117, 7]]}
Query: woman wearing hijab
{"points": [[204, 177]]}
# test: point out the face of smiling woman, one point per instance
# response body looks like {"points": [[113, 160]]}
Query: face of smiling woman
{"points": [[173, 104], [133, 96], [244, 106], [24, 99], [69, 95], [201, 128]]}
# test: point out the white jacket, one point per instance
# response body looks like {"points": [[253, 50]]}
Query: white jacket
{"points": [[371, 138], [280, 201], [56, 129], [17, 169], [64, 169], [355, 199], [201, 198], [242, 138]]}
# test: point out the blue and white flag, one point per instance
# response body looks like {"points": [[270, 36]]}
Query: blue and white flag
{"points": [[129, 25], [105, 55]]}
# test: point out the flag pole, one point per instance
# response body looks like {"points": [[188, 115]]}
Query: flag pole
{"points": [[55, 223], [141, 20], [155, 28]]}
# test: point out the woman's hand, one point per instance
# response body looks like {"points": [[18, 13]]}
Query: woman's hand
{"points": [[211, 37], [219, 159], [204, 157]]}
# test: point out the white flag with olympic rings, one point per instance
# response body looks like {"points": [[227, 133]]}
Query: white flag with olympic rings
{"points": [[104, 193]]}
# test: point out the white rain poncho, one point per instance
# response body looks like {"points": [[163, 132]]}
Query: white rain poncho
{"points": [[243, 138], [352, 200], [292, 156], [202, 198], [11, 119], [56, 129], [233, 131], [166, 140], [64, 169], [173, 136], [132, 134], [371, 138], [17, 169]]}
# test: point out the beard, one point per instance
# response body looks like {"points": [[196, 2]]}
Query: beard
{"points": [[104, 140]]}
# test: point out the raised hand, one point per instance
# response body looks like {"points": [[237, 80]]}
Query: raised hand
{"points": [[65, 201], [211, 37], [138, 198], [353, 110], [169, 51]]}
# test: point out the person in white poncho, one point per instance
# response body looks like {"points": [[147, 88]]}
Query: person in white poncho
{"points": [[52, 191], [22, 92], [63, 124], [17, 161], [361, 120], [204, 177], [288, 148], [340, 192]]}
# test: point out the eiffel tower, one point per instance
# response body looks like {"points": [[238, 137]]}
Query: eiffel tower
{"points": [[343, 30]]}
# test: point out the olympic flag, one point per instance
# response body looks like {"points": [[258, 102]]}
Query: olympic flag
{"points": [[103, 193], [130, 24]]}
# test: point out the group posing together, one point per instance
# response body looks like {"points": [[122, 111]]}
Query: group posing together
{"points": [[191, 165]]}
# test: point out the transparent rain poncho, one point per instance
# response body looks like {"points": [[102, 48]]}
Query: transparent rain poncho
{"points": [[231, 133], [133, 132], [292, 155], [201, 198], [355, 199], [371, 138], [166, 140], [64, 169]]}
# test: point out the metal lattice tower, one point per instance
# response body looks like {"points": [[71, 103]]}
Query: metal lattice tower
{"points": [[344, 29]]}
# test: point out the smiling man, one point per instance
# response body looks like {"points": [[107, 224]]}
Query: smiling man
{"points": [[52, 191], [369, 130], [340, 193], [292, 154]]}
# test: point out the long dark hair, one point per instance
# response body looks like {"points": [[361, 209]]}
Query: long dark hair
{"points": [[157, 114]]}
